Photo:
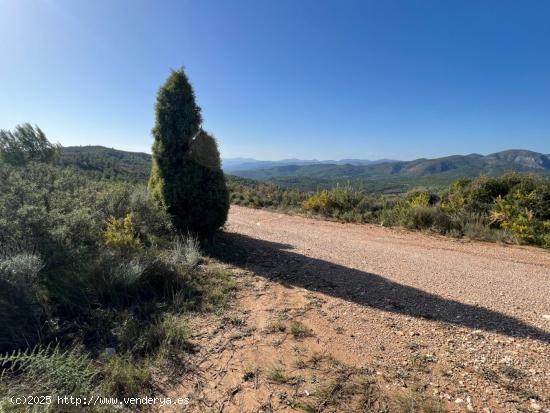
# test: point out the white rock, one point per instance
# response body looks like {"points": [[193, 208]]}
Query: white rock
{"points": [[546, 316], [110, 352]]}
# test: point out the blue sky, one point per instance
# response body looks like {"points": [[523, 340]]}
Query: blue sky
{"points": [[287, 78]]}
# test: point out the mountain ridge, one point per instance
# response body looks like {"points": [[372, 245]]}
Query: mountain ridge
{"points": [[113, 163], [518, 160], [236, 164]]}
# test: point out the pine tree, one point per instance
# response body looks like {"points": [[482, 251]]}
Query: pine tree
{"points": [[27, 144]]}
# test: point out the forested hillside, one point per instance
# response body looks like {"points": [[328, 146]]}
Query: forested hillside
{"points": [[108, 162], [399, 176]]}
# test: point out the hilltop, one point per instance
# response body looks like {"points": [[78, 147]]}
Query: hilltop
{"points": [[108, 162]]}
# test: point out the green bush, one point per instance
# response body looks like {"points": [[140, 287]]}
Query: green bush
{"points": [[120, 234], [263, 195], [344, 203], [513, 214], [51, 211], [150, 220], [21, 270], [422, 217]]}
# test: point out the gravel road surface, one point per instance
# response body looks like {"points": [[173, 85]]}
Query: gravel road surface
{"points": [[468, 322]]}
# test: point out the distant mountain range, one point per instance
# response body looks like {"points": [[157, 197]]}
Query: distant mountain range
{"points": [[243, 164], [379, 176], [453, 166]]}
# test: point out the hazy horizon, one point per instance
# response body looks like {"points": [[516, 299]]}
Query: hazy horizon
{"points": [[291, 158]]}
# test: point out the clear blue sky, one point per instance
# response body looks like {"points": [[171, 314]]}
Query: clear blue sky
{"points": [[285, 78]]}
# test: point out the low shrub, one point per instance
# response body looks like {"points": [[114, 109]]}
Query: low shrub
{"points": [[21, 270], [521, 213], [151, 221], [121, 234], [114, 279], [421, 217], [342, 203], [320, 202], [510, 208], [21, 315]]}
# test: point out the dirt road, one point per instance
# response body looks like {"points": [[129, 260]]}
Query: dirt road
{"points": [[430, 322], [480, 285]]}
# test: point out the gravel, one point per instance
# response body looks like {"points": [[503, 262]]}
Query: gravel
{"points": [[470, 318]]}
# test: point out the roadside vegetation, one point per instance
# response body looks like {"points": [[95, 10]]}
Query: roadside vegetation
{"points": [[96, 286], [99, 277], [512, 208]]}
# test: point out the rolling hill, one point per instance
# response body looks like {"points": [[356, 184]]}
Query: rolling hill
{"points": [[377, 176], [107, 162]]}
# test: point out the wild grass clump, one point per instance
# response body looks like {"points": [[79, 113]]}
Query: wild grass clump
{"points": [[184, 252], [276, 327], [300, 331], [347, 389], [124, 377], [277, 375], [49, 371], [415, 404], [174, 332]]}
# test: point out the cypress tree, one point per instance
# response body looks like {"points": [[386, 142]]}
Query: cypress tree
{"points": [[186, 176]]}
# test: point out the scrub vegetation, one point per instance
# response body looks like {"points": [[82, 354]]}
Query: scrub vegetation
{"points": [[99, 277], [512, 208]]}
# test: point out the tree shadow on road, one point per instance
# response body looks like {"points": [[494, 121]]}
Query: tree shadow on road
{"points": [[277, 262]]}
